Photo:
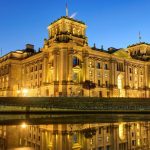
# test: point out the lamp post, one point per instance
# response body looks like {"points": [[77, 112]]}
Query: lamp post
{"points": [[25, 92]]}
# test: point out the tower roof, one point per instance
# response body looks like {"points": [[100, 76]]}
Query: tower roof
{"points": [[65, 17]]}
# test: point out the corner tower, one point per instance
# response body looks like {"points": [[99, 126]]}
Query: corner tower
{"points": [[65, 30], [64, 49]]}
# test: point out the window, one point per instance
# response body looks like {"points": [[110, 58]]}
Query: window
{"points": [[100, 94], [98, 74], [40, 75], [106, 83], [47, 92], [100, 130], [90, 73], [98, 66], [107, 129], [76, 62], [120, 67], [99, 83], [35, 69], [40, 67], [52, 63], [31, 69], [108, 94], [130, 78], [36, 76], [133, 142], [106, 66], [76, 77], [108, 148]]}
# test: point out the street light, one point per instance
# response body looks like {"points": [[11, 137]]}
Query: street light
{"points": [[25, 92]]}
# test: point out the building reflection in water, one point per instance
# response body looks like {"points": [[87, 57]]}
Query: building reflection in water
{"points": [[98, 136]]}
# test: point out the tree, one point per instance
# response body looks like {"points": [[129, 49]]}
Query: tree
{"points": [[89, 85]]}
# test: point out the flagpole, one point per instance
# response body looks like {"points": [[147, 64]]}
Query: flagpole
{"points": [[67, 12], [140, 37]]}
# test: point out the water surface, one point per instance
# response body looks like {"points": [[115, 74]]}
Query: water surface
{"points": [[75, 132]]}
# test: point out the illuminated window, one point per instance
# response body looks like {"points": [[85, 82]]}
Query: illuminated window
{"points": [[74, 31], [135, 71], [78, 32], [107, 139], [138, 142], [90, 64], [138, 126], [90, 73]]}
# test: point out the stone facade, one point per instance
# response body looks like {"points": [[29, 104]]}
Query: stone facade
{"points": [[67, 66]]}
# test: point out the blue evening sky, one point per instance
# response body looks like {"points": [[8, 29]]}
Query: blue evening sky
{"points": [[111, 23]]}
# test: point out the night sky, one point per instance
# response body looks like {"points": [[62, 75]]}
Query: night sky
{"points": [[111, 23]]}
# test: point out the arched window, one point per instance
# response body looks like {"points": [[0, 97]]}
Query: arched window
{"points": [[76, 61]]}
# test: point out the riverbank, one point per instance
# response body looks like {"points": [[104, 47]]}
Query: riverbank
{"points": [[73, 105]]}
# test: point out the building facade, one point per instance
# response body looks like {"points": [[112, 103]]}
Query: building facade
{"points": [[68, 66]]}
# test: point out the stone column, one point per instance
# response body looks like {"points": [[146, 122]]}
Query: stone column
{"points": [[86, 67], [126, 78], [103, 74], [115, 74], [128, 130], [70, 64], [111, 78], [112, 73], [56, 65], [63, 71], [56, 54], [146, 81], [45, 64]]}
